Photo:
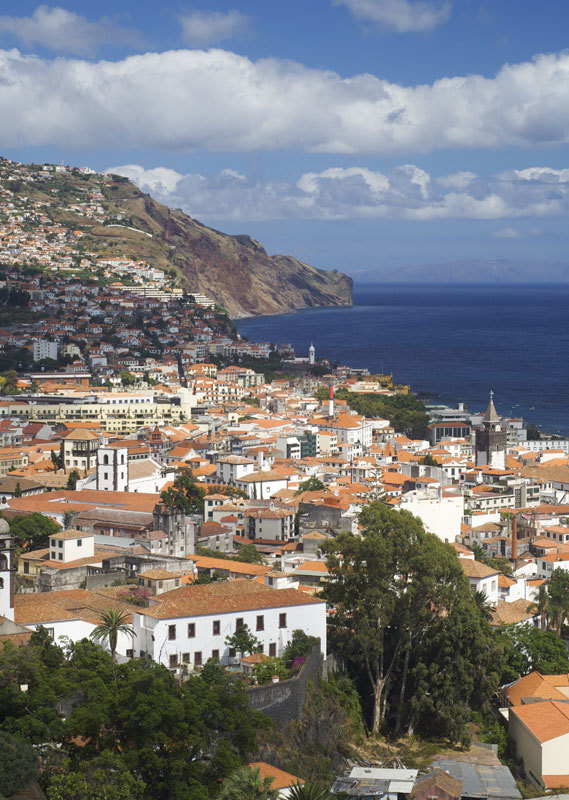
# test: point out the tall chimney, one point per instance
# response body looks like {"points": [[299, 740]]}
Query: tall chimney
{"points": [[331, 402], [515, 540]]}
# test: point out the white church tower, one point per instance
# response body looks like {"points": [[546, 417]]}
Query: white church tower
{"points": [[6, 571], [311, 354], [112, 469]]}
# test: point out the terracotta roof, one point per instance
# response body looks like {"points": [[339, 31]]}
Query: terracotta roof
{"points": [[238, 567], [160, 574], [512, 613], [238, 595], [280, 779], [71, 533], [547, 720], [476, 569]]}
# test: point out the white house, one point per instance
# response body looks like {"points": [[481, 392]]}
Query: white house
{"points": [[231, 468], [481, 578], [541, 733], [190, 625], [441, 512], [263, 484]]}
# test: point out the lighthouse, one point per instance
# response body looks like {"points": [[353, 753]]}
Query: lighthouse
{"points": [[311, 354], [331, 402]]}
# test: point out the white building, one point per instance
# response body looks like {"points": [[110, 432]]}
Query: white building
{"points": [[190, 624], [45, 349], [441, 513], [481, 578]]}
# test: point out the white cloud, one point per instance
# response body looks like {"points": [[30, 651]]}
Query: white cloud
{"points": [[64, 31], [405, 192], [202, 28], [219, 101], [401, 16]]}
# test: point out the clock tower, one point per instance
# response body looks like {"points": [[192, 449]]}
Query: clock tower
{"points": [[491, 439]]}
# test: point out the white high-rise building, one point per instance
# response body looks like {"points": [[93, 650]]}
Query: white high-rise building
{"points": [[112, 469], [45, 349], [6, 572]]}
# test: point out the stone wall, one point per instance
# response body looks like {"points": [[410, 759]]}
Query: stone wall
{"points": [[283, 701], [102, 579]]}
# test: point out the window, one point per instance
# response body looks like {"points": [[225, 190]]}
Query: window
{"points": [[171, 632], [191, 630], [1, 583], [53, 555], [79, 542], [130, 653], [60, 556], [216, 627], [215, 655], [173, 661], [239, 622], [26, 567], [160, 584], [272, 650], [232, 652], [51, 632], [186, 658], [197, 659], [282, 620], [260, 623], [59, 543]]}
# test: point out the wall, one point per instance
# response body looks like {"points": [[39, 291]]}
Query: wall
{"points": [[102, 579], [283, 701]]}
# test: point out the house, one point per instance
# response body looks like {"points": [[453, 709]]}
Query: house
{"points": [[190, 625], [541, 734], [437, 785], [535, 686], [371, 782], [481, 578], [280, 780]]}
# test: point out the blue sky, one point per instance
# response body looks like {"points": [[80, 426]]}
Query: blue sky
{"points": [[357, 134]]}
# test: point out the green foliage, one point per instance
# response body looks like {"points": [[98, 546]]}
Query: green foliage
{"points": [[9, 382], [429, 461], [404, 411], [72, 479], [266, 670], [151, 737], [112, 624], [246, 784], [301, 645], [18, 490], [308, 791], [249, 554], [102, 778], [127, 378], [311, 485], [18, 764], [32, 531], [558, 599], [185, 495], [501, 563], [493, 732], [243, 641], [406, 622], [528, 648]]}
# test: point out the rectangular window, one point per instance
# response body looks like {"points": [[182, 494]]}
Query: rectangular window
{"points": [[173, 661], [186, 658], [282, 620], [215, 655], [216, 627], [239, 622], [272, 650], [130, 653], [171, 632], [191, 630], [79, 542], [232, 652], [54, 555], [26, 567], [197, 659], [260, 623], [60, 543], [61, 556], [51, 632]]}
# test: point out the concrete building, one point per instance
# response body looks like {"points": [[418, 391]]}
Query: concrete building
{"points": [[541, 734], [80, 450], [45, 349]]}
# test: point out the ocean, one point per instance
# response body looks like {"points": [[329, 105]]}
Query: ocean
{"points": [[455, 343]]}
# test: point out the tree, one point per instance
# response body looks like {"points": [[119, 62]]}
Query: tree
{"points": [[185, 495], [243, 641], [9, 382], [102, 778], [429, 461], [308, 791], [313, 484], [32, 531], [300, 645], [397, 590], [127, 378], [558, 603], [267, 669], [249, 554], [72, 479], [528, 648], [111, 625], [18, 490], [19, 765], [541, 605], [246, 784], [483, 604]]}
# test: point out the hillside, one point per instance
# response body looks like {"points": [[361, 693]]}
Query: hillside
{"points": [[236, 271]]}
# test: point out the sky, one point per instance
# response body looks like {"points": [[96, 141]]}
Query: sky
{"points": [[362, 135]]}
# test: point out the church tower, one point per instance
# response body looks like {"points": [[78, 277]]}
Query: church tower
{"points": [[112, 469], [6, 571], [491, 439]]}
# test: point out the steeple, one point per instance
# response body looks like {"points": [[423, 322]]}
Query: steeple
{"points": [[491, 416]]}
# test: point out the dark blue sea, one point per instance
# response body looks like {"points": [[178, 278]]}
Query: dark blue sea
{"points": [[454, 342]]}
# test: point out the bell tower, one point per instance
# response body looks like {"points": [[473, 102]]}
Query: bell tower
{"points": [[491, 439], [6, 571]]}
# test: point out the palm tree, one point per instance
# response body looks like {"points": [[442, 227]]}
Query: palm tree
{"points": [[308, 791], [112, 623], [482, 604], [541, 605], [246, 784]]}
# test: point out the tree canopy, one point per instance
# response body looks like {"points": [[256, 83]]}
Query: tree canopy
{"points": [[407, 621], [185, 495], [528, 648], [32, 531]]}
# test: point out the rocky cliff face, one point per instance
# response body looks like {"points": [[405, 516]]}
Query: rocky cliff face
{"points": [[234, 270]]}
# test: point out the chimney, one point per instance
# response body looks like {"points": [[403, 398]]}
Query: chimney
{"points": [[515, 540], [331, 402]]}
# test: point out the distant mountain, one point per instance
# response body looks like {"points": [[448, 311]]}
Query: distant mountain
{"points": [[236, 271], [471, 271]]}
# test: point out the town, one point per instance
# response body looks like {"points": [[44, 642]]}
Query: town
{"points": [[191, 500]]}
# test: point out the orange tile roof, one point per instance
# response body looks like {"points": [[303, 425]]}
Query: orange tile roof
{"points": [[546, 721], [280, 779], [534, 685]]}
